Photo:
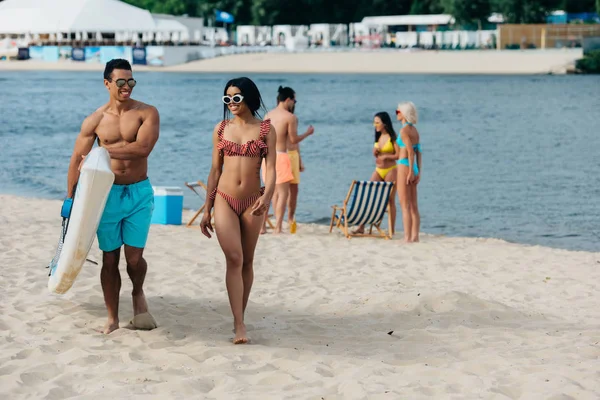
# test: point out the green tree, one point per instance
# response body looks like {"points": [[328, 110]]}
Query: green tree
{"points": [[240, 9], [526, 11], [578, 6], [174, 7], [426, 7], [468, 11], [304, 12]]}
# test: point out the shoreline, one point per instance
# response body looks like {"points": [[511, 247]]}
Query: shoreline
{"points": [[324, 222], [471, 62]]}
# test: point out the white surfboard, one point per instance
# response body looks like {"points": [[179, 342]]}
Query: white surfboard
{"points": [[79, 230]]}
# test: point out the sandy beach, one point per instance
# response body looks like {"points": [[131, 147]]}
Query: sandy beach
{"points": [[555, 61], [329, 318]]}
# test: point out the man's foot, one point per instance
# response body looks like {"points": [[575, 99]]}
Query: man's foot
{"points": [[110, 326], [240, 334], [141, 317], [144, 321], [358, 231], [139, 303], [263, 230]]}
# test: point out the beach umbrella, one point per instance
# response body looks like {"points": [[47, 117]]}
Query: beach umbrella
{"points": [[225, 17]]}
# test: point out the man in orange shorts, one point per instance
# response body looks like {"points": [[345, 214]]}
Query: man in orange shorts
{"points": [[286, 128]]}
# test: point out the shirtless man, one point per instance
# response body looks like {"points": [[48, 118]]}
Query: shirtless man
{"points": [[128, 129], [286, 127]]}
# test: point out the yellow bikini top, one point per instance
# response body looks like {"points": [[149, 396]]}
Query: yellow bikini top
{"points": [[387, 148]]}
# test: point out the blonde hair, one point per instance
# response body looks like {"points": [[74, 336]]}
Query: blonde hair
{"points": [[409, 111]]}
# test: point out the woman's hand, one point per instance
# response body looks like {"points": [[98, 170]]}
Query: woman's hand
{"points": [[417, 179], [410, 177], [375, 152], [205, 225], [261, 206]]}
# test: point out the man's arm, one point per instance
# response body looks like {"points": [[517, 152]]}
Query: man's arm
{"points": [[300, 163], [144, 143], [83, 145], [293, 131]]}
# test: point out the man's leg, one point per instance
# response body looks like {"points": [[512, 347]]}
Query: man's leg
{"points": [[293, 197], [292, 201], [110, 279], [136, 269], [135, 234], [110, 242], [283, 193]]}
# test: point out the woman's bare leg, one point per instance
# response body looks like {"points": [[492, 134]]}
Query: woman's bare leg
{"points": [[374, 178], [404, 202], [250, 229], [227, 228], [391, 177], [414, 213]]}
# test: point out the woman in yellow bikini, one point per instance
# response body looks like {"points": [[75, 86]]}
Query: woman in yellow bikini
{"points": [[386, 152]]}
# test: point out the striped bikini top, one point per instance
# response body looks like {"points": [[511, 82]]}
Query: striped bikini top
{"points": [[252, 148]]}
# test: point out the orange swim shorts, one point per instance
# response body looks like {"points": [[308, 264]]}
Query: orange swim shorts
{"points": [[283, 169]]}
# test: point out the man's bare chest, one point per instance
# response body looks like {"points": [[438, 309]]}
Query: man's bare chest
{"points": [[114, 129]]}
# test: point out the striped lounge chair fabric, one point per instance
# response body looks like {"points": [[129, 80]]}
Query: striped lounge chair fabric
{"points": [[366, 204]]}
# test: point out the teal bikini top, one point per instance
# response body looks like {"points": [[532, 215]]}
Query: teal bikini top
{"points": [[416, 147]]}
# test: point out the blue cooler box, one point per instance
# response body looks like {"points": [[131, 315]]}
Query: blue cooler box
{"points": [[168, 205]]}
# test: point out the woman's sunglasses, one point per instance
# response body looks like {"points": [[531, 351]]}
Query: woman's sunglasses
{"points": [[236, 99], [121, 82], [397, 112]]}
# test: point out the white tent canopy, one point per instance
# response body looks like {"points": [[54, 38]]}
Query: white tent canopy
{"points": [[171, 26], [393, 20], [62, 16], [185, 28]]}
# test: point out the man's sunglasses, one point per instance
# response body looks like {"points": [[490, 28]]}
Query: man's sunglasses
{"points": [[236, 99], [121, 82]]}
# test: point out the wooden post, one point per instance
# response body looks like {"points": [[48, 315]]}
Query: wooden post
{"points": [[543, 38]]}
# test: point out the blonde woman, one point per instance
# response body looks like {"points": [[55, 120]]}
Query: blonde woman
{"points": [[409, 171]]}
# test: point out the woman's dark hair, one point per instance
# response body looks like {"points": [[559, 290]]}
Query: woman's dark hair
{"points": [[387, 124], [251, 95]]}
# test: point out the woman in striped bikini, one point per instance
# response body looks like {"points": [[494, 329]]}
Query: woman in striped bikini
{"points": [[239, 145]]}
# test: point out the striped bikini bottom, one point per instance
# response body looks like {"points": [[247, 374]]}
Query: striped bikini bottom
{"points": [[238, 205]]}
